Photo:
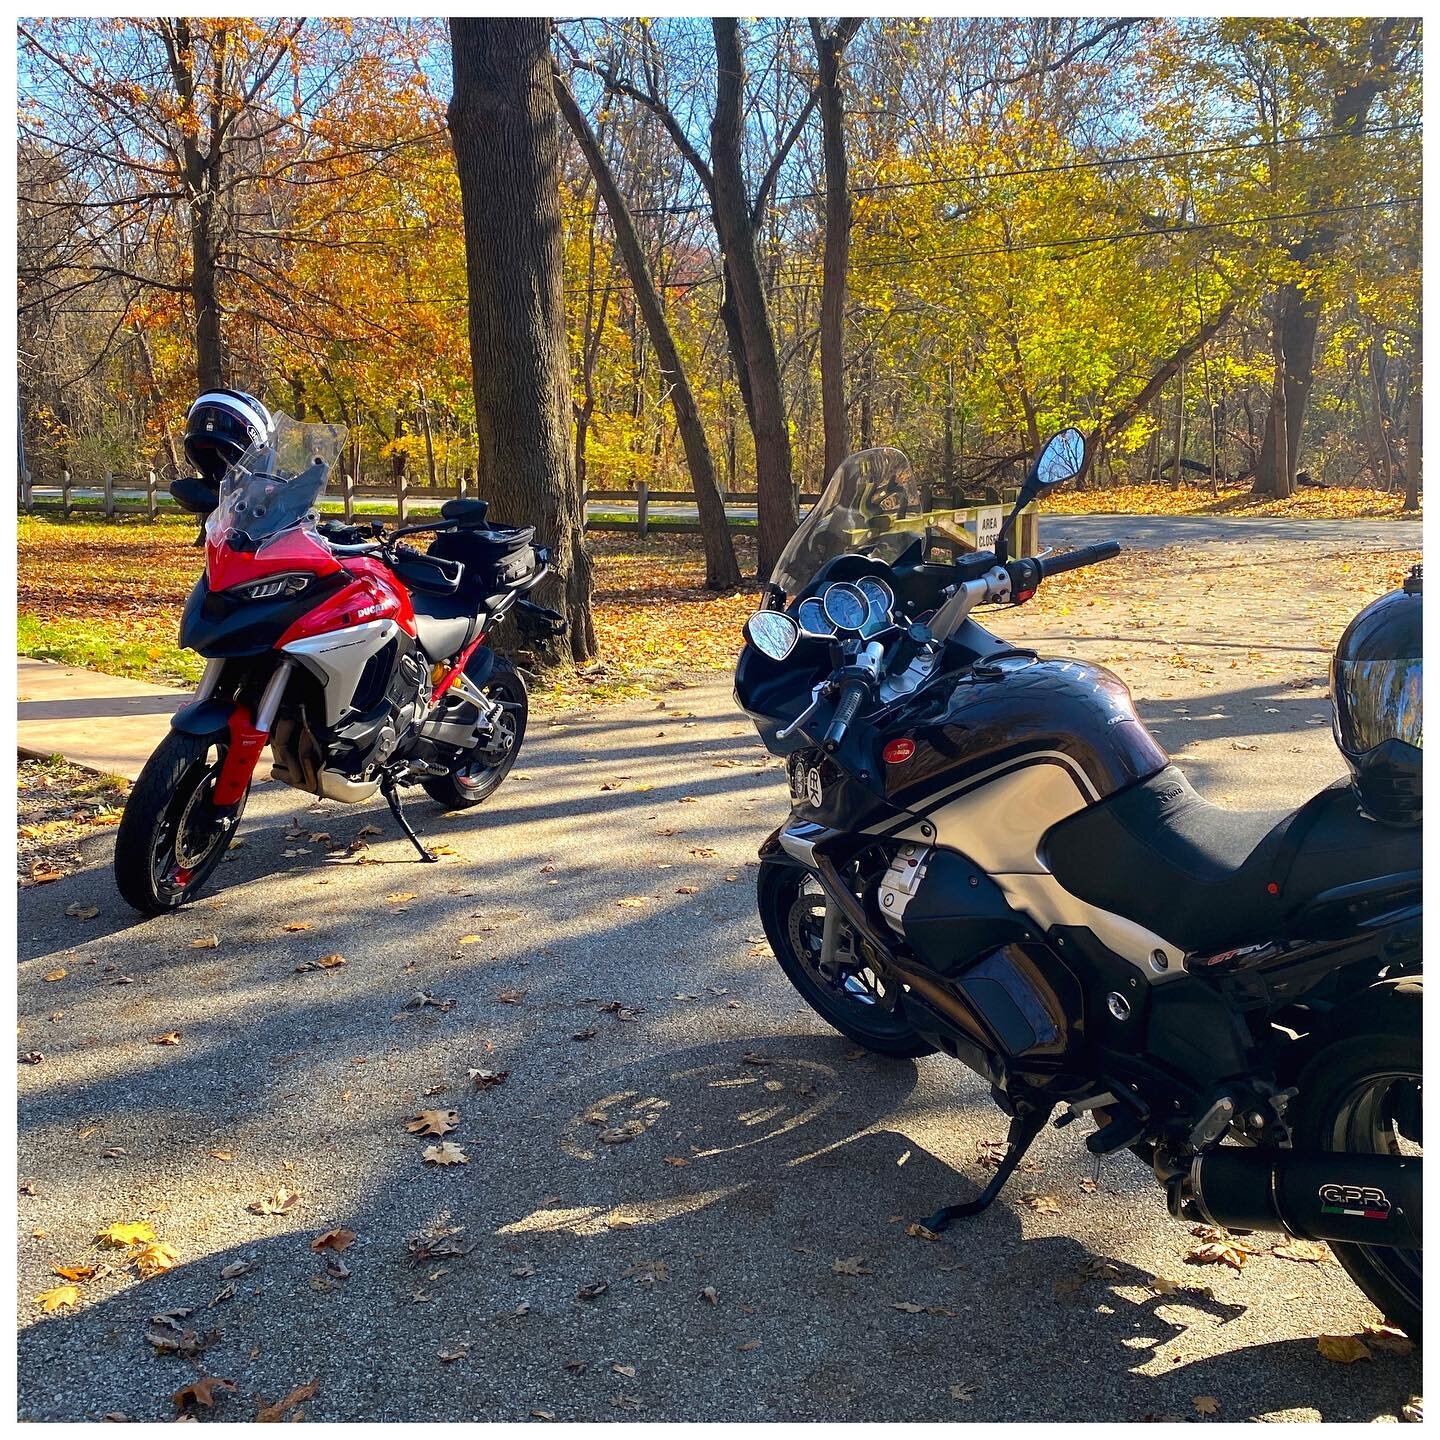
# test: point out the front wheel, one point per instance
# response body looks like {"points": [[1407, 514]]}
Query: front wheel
{"points": [[476, 775], [171, 836], [1360, 1094], [846, 993]]}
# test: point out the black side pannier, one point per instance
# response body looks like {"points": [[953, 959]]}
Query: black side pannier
{"points": [[495, 557]]}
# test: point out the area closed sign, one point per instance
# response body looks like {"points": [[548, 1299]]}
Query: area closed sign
{"points": [[987, 526]]}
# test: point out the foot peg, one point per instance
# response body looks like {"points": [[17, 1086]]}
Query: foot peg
{"points": [[1023, 1130], [392, 799]]}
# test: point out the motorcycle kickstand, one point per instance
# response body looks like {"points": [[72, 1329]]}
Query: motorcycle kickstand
{"points": [[392, 799], [1023, 1130]]}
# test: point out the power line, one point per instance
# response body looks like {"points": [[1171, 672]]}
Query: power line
{"points": [[1063, 167]]}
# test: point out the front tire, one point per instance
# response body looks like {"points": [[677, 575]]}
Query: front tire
{"points": [[171, 838], [1361, 1093], [792, 908], [477, 775]]}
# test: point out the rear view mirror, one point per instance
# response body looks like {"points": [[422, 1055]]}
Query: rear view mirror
{"points": [[1063, 458], [192, 493], [774, 635]]}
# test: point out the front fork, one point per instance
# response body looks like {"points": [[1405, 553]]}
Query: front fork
{"points": [[248, 733]]}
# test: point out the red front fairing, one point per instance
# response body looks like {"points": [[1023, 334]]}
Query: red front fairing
{"points": [[374, 594], [297, 551]]}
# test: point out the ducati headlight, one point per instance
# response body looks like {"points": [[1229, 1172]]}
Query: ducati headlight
{"points": [[273, 587]]}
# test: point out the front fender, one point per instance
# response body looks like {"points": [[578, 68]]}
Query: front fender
{"points": [[203, 717]]}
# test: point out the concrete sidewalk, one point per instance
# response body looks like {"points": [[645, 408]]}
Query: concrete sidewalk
{"points": [[101, 721]]}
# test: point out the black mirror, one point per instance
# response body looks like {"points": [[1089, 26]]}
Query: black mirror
{"points": [[192, 493], [1063, 458]]}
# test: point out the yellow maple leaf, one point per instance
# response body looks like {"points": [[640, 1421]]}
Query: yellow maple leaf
{"points": [[155, 1259], [60, 1298], [124, 1234]]}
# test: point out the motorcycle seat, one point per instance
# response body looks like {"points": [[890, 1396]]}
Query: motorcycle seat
{"points": [[1207, 878], [444, 624]]}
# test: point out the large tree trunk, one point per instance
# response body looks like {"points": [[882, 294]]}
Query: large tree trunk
{"points": [[721, 570], [829, 49], [1297, 326], [1414, 438], [505, 132], [775, 492]]}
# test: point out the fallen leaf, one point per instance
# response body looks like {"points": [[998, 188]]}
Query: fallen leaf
{"points": [[679, 1161], [592, 1291], [74, 1273], [963, 1391], [282, 1202], [62, 1297], [1206, 1405], [485, 1079], [335, 1240], [445, 1153], [471, 940], [201, 1392], [1217, 1252], [917, 1231], [908, 1307], [206, 942], [542, 1414], [123, 1234], [1389, 1338], [1413, 1410], [83, 912], [511, 997], [268, 1414], [749, 1345], [434, 1122], [1342, 1349], [710, 1296], [587, 1034], [1306, 1250], [325, 962], [626, 1370], [34, 1057], [852, 1265], [221, 1154], [1040, 1204], [237, 1268], [400, 897], [296, 925], [59, 974], [457, 1352], [154, 1259], [170, 1037], [633, 902]]}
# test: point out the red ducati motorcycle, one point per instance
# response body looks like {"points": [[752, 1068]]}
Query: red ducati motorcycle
{"points": [[358, 659]]}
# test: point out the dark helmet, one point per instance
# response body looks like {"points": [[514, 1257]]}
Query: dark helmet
{"points": [[1375, 681], [220, 427]]}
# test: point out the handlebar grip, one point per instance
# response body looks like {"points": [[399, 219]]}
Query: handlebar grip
{"points": [[850, 700], [1076, 559]]}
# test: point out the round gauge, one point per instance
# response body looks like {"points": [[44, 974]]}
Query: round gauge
{"points": [[813, 619], [879, 595], [846, 606]]}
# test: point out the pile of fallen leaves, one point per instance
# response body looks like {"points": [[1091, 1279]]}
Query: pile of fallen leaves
{"points": [[1330, 502], [59, 805]]}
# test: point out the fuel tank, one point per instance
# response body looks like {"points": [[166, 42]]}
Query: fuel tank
{"points": [[1009, 712]]}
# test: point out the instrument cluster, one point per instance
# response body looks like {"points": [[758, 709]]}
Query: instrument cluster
{"points": [[864, 607]]}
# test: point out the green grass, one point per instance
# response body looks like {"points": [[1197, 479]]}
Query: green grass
{"points": [[108, 649]]}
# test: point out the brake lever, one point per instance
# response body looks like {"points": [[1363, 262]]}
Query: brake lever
{"points": [[820, 692]]}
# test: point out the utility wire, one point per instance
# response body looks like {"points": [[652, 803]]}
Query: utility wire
{"points": [[1062, 167]]}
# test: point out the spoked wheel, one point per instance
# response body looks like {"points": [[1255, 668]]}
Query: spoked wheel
{"points": [[1364, 1098], [171, 836], [477, 774], [845, 993]]}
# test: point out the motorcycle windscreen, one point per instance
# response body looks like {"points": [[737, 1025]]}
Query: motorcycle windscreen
{"points": [[274, 487], [874, 505]]}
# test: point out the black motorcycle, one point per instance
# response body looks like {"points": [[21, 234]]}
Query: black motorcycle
{"points": [[990, 856]]}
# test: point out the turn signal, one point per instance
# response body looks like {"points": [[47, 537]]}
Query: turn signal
{"points": [[898, 751]]}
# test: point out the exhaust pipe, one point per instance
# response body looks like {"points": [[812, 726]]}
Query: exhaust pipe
{"points": [[1360, 1199]]}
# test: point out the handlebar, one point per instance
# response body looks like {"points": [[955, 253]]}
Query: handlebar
{"points": [[1075, 559], [852, 695]]}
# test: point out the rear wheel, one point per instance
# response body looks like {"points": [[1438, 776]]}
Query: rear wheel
{"points": [[477, 774], [846, 993], [1360, 1094], [171, 836]]}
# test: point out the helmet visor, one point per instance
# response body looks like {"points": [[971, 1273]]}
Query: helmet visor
{"points": [[1376, 701]]}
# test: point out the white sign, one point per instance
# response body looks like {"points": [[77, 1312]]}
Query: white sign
{"points": [[987, 526]]}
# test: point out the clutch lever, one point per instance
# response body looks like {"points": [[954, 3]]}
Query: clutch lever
{"points": [[821, 691]]}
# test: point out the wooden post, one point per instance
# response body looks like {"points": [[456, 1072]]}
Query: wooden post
{"points": [[464, 483], [109, 495], [65, 493], [347, 492], [642, 506], [402, 496], [27, 491], [151, 499]]}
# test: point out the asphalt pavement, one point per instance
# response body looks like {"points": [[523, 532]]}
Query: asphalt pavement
{"points": [[686, 1199]]}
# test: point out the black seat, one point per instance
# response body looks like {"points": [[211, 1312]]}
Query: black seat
{"points": [[1204, 877], [444, 624]]}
